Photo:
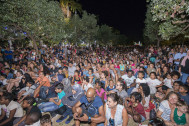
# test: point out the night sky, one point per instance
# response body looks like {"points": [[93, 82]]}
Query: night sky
{"points": [[125, 15]]}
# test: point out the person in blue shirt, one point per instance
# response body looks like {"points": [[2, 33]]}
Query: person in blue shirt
{"points": [[91, 111], [54, 103], [8, 73], [8, 54], [59, 75], [141, 69], [91, 75], [111, 86], [183, 92]]}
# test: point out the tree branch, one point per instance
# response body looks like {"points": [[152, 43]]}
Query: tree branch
{"points": [[180, 22], [185, 28], [13, 38]]}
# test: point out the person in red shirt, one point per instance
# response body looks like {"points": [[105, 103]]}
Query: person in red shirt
{"points": [[135, 108]]}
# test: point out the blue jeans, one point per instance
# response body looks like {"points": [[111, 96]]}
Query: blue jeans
{"points": [[48, 106], [68, 112], [184, 77]]}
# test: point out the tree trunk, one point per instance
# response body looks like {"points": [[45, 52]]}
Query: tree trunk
{"points": [[68, 12], [34, 44], [64, 10], [158, 40], [158, 43]]}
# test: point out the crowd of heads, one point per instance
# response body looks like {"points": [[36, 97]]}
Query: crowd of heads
{"points": [[134, 77]]}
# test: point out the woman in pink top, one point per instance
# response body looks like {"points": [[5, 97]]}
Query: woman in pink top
{"points": [[100, 91]]}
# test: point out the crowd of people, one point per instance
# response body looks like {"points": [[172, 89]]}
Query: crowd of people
{"points": [[103, 86]]}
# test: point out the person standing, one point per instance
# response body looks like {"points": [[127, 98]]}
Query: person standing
{"points": [[185, 68], [8, 55], [177, 58]]}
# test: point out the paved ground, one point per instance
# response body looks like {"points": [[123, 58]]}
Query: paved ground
{"points": [[131, 123]]}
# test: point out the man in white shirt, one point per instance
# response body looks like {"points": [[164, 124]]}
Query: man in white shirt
{"points": [[130, 81]]}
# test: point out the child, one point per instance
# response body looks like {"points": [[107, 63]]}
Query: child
{"points": [[30, 105], [168, 81], [111, 86], [179, 114], [153, 82], [176, 86], [175, 75], [76, 78], [100, 91], [183, 91], [86, 85], [46, 120], [171, 59], [151, 68], [135, 108], [122, 67], [91, 75], [103, 79], [10, 110], [161, 92], [33, 119], [54, 103], [14, 82], [139, 80], [26, 91], [3, 80]]}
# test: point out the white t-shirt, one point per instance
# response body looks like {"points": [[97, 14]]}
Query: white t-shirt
{"points": [[152, 84], [139, 81], [19, 78], [13, 105], [147, 99], [4, 82], [167, 82], [128, 80], [71, 70]]}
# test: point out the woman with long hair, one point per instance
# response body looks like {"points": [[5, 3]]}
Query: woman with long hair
{"points": [[116, 114]]}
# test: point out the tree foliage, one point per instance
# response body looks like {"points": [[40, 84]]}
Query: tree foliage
{"points": [[105, 35], [69, 6], [82, 29], [173, 16], [151, 29], [45, 20], [37, 20]]}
